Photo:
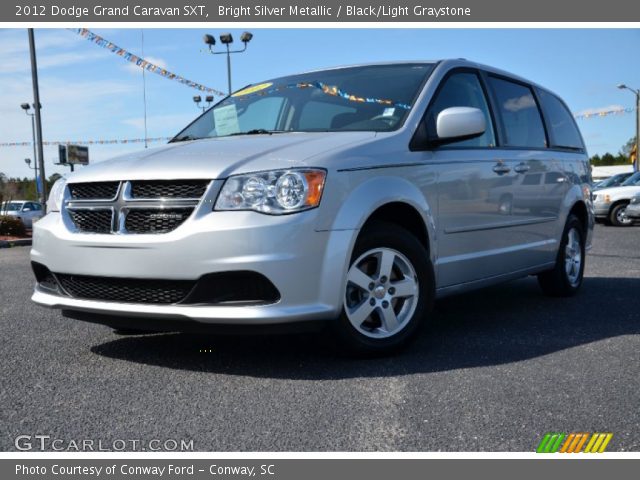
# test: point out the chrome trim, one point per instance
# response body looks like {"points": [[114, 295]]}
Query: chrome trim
{"points": [[123, 203]]}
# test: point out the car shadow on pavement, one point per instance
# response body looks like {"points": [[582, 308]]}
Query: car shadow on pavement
{"points": [[503, 324]]}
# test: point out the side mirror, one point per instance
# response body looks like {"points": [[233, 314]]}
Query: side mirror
{"points": [[26, 209], [459, 123]]}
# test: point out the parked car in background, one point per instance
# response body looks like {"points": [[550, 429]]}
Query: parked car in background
{"points": [[354, 195], [24, 210], [633, 209], [612, 181], [610, 204]]}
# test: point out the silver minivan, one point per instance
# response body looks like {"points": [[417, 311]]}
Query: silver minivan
{"points": [[354, 195]]}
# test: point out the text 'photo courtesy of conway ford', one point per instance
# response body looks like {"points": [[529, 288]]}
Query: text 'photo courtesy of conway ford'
{"points": [[355, 196]]}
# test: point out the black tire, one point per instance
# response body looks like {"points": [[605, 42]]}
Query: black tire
{"points": [[389, 236], [615, 214], [557, 282]]}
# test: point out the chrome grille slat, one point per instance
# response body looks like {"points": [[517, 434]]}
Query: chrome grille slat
{"points": [[137, 207]]}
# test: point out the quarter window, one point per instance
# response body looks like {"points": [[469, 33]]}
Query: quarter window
{"points": [[564, 132], [520, 114], [463, 90]]}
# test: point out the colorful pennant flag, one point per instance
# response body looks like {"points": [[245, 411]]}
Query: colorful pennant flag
{"points": [[605, 113], [141, 62], [88, 142]]}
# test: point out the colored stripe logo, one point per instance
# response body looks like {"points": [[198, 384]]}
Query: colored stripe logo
{"points": [[574, 443]]}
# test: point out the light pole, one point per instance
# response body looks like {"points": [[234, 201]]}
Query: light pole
{"points": [[26, 107], [227, 39], [636, 92], [197, 99], [37, 107]]}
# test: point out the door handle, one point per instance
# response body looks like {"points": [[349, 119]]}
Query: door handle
{"points": [[522, 168], [500, 168]]}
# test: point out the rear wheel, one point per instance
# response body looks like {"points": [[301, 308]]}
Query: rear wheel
{"points": [[389, 290], [618, 216], [566, 277]]}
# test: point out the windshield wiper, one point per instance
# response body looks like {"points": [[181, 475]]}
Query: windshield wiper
{"points": [[186, 138], [256, 131]]}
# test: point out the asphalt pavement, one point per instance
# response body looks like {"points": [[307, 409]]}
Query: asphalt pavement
{"points": [[497, 370]]}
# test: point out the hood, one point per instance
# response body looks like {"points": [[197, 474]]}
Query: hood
{"points": [[627, 191], [217, 158]]}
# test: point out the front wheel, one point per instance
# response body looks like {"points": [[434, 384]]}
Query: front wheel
{"points": [[389, 290], [566, 277], [618, 216]]}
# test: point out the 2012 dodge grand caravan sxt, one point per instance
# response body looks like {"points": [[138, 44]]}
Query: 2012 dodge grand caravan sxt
{"points": [[356, 195]]}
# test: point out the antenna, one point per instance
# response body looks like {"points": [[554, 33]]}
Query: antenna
{"points": [[144, 90]]}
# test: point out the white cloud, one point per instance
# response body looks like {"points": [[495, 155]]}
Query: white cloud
{"points": [[520, 103], [75, 107]]}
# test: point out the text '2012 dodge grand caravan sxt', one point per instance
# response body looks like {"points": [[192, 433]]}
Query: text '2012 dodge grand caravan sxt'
{"points": [[356, 195]]}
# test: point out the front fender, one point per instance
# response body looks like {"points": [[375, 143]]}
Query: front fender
{"points": [[348, 213]]}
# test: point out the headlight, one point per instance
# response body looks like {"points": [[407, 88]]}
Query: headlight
{"points": [[56, 195], [275, 192]]}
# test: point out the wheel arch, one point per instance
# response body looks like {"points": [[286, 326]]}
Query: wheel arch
{"points": [[390, 199], [579, 209]]}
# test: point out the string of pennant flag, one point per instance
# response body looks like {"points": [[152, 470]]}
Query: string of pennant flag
{"points": [[604, 113], [89, 142], [114, 141], [141, 62]]}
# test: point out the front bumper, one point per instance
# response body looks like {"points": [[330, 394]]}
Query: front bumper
{"points": [[633, 211], [306, 266], [601, 209]]}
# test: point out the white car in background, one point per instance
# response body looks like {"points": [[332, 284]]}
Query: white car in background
{"points": [[24, 210], [610, 204]]}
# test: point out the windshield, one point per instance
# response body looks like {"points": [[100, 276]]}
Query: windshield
{"points": [[11, 206], [369, 98], [613, 181], [632, 180]]}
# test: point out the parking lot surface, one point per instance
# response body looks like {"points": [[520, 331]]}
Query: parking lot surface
{"points": [[497, 369]]}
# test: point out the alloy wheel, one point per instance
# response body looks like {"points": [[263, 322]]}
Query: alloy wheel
{"points": [[382, 293]]}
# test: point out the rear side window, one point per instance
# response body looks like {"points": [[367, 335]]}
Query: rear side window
{"points": [[520, 114], [564, 133]]}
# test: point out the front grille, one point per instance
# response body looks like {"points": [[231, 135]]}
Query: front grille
{"points": [[92, 221], [125, 290], [137, 206], [94, 190], [155, 220], [169, 189]]}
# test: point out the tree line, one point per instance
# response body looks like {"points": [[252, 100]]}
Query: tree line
{"points": [[14, 188]]}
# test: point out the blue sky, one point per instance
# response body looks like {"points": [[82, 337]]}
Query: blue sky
{"points": [[90, 93]]}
